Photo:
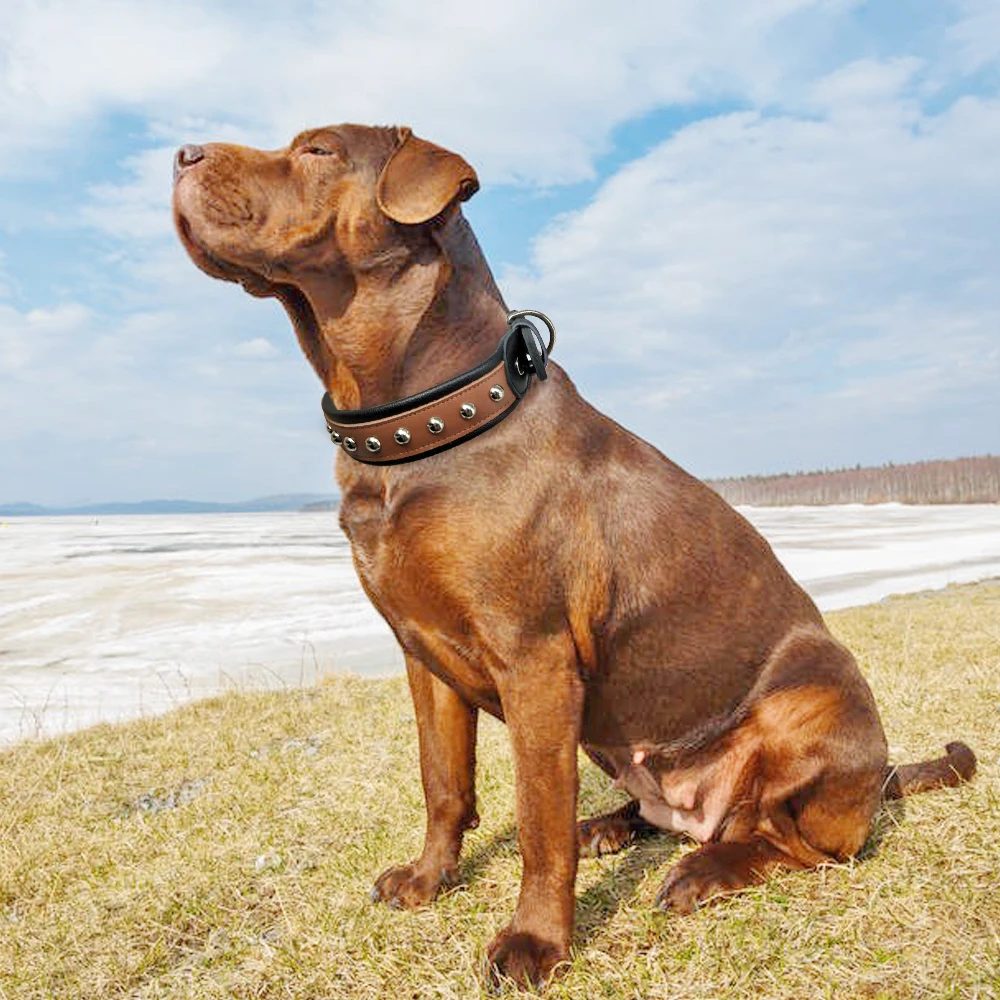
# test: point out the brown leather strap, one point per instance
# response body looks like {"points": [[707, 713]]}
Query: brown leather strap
{"points": [[461, 414]]}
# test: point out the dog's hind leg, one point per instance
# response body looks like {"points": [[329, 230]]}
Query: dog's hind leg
{"points": [[829, 824], [719, 869], [808, 762]]}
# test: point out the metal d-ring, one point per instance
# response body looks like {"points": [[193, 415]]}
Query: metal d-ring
{"points": [[518, 313]]}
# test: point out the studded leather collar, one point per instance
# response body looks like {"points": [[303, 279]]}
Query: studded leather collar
{"points": [[451, 412]]}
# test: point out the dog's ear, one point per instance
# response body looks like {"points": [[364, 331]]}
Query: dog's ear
{"points": [[421, 180]]}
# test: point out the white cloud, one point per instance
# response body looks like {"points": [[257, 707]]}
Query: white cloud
{"points": [[166, 398], [5, 279], [37, 333], [864, 82], [527, 90], [138, 209], [256, 349], [977, 34], [823, 275], [797, 279], [64, 62]]}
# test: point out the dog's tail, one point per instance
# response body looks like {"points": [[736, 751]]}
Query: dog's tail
{"points": [[957, 766]]}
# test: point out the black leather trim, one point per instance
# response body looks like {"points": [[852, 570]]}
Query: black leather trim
{"points": [[398, 406]]}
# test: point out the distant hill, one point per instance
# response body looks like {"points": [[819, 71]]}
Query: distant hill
{"points": [[330, 503], [958, 480], [282, 502]]}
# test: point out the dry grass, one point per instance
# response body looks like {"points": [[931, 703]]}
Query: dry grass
{"points": [[227, 849]]}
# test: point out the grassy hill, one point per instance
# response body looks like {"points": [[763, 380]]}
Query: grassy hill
{"points": [[227, 850]]}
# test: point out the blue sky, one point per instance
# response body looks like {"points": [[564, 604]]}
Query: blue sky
{"points": [[769, 232]]}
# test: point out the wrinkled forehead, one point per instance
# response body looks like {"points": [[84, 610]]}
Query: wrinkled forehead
{"points": [[362, 143]]}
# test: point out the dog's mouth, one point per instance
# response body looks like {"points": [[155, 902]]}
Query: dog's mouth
{"points": [[212, 264], [296, 304]]}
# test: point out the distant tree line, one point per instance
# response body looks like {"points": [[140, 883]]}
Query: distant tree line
{"points": [[959, 480]]}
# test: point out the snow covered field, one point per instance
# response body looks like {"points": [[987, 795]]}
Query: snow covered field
{"points": [[102, 619]]}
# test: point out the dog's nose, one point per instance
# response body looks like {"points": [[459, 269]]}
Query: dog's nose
{"points": [[187, 156]]}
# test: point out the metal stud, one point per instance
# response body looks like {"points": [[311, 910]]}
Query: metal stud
{"points": [[496, 393], [435, 425], [334, 435], [468, 410], [402, 436], [350, 444], [373, 444]]}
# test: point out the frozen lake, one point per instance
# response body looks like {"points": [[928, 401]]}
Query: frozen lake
{"points": [[102, 619]]}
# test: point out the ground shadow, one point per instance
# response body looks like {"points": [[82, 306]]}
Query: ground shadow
{"points": [[475, 861], [598, 904], [887, 820], [601, 901]]}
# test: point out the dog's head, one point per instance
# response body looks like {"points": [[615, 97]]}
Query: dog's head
{"points": [[334, 197], [338, 206]]}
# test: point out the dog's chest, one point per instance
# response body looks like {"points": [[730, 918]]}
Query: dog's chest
{"points": [[365, 519], [427, 573], [370, 520], [414, 563]]}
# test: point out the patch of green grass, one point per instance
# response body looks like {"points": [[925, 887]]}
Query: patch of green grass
{"points": [[227, 850]]}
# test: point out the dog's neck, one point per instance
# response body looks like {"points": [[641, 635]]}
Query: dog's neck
{"points": [[410, 323]]}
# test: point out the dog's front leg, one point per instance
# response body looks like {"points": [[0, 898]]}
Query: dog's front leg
{"points": [[543, 707], [446, 731]]}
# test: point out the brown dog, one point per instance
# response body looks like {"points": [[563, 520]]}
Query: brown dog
{"points": [[556, 571]]}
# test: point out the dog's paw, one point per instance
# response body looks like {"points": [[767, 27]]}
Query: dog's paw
{"points": [[613, 831], [694, 880], [407, 887], [522, 958], [604, 835]]}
